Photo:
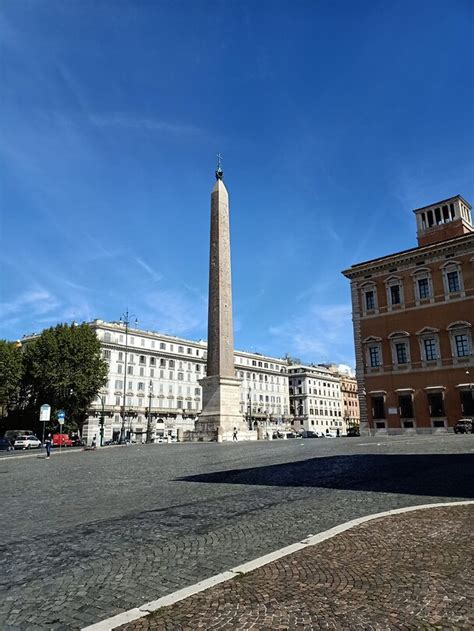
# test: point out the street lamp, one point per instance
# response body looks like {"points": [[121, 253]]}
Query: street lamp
{"points": [[148, 427], [125, 320], [471, 390], [101, 419], [249, 409]]}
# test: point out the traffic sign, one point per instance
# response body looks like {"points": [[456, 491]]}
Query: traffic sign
{"points": [[61, 415], [61, 421], [45, 413]]}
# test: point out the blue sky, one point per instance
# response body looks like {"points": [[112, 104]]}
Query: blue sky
{"points": [[335, 120]]}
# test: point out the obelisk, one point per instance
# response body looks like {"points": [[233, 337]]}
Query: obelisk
{"points": [[220, 417]]}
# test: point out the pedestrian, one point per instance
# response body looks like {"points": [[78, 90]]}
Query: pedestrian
{"points": [[338, 433], [47, 444], [234, 435], [94, 442]]}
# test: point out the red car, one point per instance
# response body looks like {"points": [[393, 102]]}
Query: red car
{"points": [[62, 440]]}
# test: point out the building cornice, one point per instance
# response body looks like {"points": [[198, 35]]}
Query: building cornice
{"points": [[444, 201], [457, 245]]}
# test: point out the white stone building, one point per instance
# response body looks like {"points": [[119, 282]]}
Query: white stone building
{"points": [[162, 376], [316, 399]]}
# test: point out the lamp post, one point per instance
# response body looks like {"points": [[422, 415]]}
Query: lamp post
{"points": [[125, 320], [249, 409], [148, 427], [471, 390], [101, 419]]}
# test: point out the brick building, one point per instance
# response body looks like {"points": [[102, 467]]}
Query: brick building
{"points": [[413, 313]]}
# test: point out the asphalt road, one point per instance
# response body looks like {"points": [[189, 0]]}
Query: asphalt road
{"points": [[93, 533]]}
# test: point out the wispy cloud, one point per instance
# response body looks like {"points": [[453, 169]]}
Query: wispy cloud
{"points": [[143, 123], [38, 308], [174, 311], [321, 333], [154, 275], [38, 301]]}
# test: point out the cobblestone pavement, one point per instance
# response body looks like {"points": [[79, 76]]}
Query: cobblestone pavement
{"points": [[88, 536], [413, 570]]}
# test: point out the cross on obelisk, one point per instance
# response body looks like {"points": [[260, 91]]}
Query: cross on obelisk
{"points": [[220, 415]]}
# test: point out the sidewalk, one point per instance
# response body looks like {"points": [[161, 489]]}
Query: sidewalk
{"points": [[410, 571]]}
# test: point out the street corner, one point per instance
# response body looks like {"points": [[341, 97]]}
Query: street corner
{"points": [[410, 569]]}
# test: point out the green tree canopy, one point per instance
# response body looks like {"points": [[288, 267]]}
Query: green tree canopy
{"points": [[11, 370], [64, 367]]}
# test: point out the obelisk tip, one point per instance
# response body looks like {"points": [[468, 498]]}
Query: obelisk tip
{"points": [[219, 171]]}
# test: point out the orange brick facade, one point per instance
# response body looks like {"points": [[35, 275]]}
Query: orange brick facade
{"points": [[413, 315]]}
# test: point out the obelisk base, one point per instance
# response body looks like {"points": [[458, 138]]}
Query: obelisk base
{"points": [[220, 415]]}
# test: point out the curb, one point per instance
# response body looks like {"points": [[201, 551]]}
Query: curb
{"points": [[311, 540]]}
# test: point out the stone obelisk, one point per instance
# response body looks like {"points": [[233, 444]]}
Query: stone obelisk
{"points": [[220, 416]]}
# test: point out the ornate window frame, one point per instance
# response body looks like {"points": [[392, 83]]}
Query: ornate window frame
{"points": [[423, 334], [419, 274], [452, 266], [396, 337], [364, 289], [460, 327], [393, 281], [372, 342]]}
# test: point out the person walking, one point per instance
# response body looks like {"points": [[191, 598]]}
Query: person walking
{"points": [[234, 435], [47, 444]]}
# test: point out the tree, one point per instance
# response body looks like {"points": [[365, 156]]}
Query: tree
{"points": [[64, 367], [11, 370]]}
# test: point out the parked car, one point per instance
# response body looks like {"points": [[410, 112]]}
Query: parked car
{"points": [[12, 434], [5, 445], [464, 426], [310, 434], [353, 431], [77, 441], [62, 440], [27, 442]]}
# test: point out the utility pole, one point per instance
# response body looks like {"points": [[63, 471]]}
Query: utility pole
{"points": [[148, 427], [125, 320]]}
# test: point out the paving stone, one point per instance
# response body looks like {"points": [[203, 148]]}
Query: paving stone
{"points": [[117, 528]]}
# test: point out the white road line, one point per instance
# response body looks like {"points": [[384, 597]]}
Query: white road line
{"points": [[311, 540]]}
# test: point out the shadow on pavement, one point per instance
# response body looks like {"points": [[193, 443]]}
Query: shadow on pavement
{"points": [[450, 475]]}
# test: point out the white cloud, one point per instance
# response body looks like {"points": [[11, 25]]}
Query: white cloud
{"points": [[348, 370], [148, 124], [39, 308], [36, 301], [174, 312], [320, 333], [154, 275]]}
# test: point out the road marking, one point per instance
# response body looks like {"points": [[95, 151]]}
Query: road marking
{"points": [[311, 540]]}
